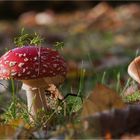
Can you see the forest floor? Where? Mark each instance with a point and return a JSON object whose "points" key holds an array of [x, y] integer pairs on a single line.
{"points": [[102, 101]]}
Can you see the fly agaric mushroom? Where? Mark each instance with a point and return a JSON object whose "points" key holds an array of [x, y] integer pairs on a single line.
{"points": [[134, 69], [38, 68]]}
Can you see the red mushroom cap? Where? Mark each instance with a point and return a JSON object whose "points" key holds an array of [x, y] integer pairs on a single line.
{"points": [[30, 62]]}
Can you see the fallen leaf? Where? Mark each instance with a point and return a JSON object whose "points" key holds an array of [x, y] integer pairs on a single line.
{"points": [[18, 123], [16, 129], [7, 131], [102, 98]]}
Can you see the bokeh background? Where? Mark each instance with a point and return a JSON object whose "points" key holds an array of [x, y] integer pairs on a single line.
{"points": [[100, 37], [13, 9]]}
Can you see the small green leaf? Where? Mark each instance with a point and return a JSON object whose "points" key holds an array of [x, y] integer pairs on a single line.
{"points": [[77, 103], [26, 39], [6, 49], [59, 45], [37, 40], [133, 97]]}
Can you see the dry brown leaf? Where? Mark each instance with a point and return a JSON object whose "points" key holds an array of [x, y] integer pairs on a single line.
{"points": [[102, 98], [15, 129], [19, 122], [7, 131]]}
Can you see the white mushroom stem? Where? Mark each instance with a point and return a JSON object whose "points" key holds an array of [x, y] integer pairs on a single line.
{"points": [[35, 100], [35, 91]]}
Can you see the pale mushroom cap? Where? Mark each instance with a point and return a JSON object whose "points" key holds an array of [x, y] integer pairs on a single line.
{"points": [[134, 69]]}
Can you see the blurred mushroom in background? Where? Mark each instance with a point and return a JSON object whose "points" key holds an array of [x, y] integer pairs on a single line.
{"points": [[33, 18]]}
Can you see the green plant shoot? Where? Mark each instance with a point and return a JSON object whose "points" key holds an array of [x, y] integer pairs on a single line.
{"points": [[26, 39]]}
